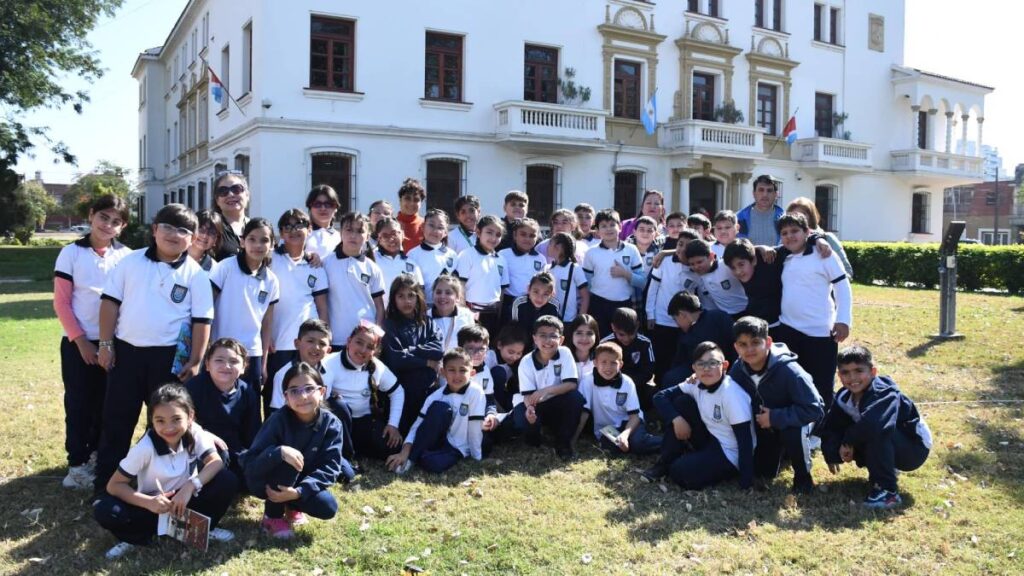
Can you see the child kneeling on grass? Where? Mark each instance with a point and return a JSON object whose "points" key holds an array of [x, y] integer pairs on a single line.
{"points": [[875, 425], [174, 466], [296, 456], [450, 427]]}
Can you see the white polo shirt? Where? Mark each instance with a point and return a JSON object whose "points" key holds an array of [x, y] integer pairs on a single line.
{"points": [[459, 239], [569, 308], [329, 376], [448, 326], [809, 283], [534, 376], [152, 463], [354, 282], [433, 261], [245, 296], [87, 271], [721, 409], [323, 241], [522, 266], [598, 264], [300, 284], [580, 250], [719, 249], [353, 382], [723, 287], [392, 266], [667, 280], [484, 274], [611, 403], [465, 433], [156, 298]]}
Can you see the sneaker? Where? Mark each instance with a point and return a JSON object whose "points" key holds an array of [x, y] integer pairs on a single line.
{"points": [[654, 473], [79, 478], [814, 443], [566, 454], [803, 487], [295, 517], [221, 535], [403, 467], [882, 499], [92, 463], [277, 528], [119, 549]]}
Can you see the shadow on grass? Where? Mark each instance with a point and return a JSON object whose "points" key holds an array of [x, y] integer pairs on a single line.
{"points": [[932, 341], [34, 309]]}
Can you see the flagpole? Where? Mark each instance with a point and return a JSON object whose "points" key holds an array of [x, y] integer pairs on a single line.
{"points": [[225, 88], [777, 139]]}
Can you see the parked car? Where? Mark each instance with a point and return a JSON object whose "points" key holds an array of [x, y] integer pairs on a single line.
{"points": [[80, 229]]}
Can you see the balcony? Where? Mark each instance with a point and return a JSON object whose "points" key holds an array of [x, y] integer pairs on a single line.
{"points": [[705, 138], [543, 126], [933, 163], [832, 155]]}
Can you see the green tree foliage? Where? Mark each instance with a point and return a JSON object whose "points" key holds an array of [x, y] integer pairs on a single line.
{"points": [[107, 178], [18, 216], [41, 202]]}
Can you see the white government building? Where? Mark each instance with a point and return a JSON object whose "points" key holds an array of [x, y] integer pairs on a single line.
{"points": [[470, 97]]}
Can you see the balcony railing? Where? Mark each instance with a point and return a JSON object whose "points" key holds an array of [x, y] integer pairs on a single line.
{"points": [[555, 124], [939, 163], [713, 138], [830, 152]]}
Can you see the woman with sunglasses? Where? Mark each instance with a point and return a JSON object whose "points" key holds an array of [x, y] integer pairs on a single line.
{"points": [[231, 193], [322, 203]]}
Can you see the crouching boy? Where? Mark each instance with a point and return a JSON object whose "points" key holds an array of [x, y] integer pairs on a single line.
{"points": [[875, 425]]}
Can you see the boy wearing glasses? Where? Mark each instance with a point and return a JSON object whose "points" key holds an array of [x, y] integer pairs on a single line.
{"points": [[154, 299]]}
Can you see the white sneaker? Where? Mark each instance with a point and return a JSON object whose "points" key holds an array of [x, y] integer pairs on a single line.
{"points": [[91, 464], [403, 467], [814, 443], [221, 535], [79, 478], [119, 549]]}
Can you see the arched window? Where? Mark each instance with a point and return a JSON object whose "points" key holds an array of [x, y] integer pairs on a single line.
{"points": [[445, 182], [826, 200], [629, 185], [335, 170], [543, 187]]}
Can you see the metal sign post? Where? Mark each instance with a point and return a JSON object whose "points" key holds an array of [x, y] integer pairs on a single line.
{"points": [[947, 280]]}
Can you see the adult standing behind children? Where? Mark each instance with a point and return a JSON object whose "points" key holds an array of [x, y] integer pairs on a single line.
{"points": [[652, 205], [231, 198], [757, 221], [410, 196]]}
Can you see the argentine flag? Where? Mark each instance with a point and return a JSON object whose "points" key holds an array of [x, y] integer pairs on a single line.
{"points": [[789, 132], [216, 87], [649, 115]]}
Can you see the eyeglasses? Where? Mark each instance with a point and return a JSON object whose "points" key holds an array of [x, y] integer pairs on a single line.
{"points": [[320, 205], [301, 391], [707, 364], [181, 231], [235, 189], [548, 335], [295, 226], [474, 350]]}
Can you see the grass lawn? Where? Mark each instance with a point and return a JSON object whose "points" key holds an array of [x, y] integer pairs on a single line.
{"points": [[523, 512]]}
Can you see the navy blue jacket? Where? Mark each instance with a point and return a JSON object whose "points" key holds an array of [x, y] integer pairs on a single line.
{"points": [[407, 348], [319, 442], [785, 389], [235, 417], [883, 409], [714, 326]]}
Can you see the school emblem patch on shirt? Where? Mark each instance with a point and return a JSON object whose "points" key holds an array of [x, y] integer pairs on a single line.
{"points": [[648, 260], [558, 370], [486, 381], [408, 267], [537, 265], [311, 280], [718, 413], [463, 409], [178, 293], [262, 296], [636, 357], [565, 284], [726, 284], [501, 269], [687, 283], [450, 262], [366, 393], [365, 278], [620, 398], [625, 260]]}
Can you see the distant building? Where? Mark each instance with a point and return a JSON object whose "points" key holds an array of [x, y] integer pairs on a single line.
{"points": [[977, 205], [57, 191], [991, 159]]}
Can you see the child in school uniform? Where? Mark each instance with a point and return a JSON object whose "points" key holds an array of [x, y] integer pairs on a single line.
{"points": [[610, 267], [296, 456], [432, 256], [389, 255], [153, 299], [872, 423], [447, 311], [638, 353], [207, 239], [245, 292], [79, 275], [378, 209], [722, 291], [522, 262], [610, 397], [671, 276], [511, 344], [450, 426], [322, 203], [516, 207], [356, 282], [173, 467], [711, 413], [463, 234], [412, 346], [585, 225], [563, 221], [537, 300], [484, 273], [410, 196], [724, 229], [304, 288], [476, 342], [225, 405], [547, 388], [784, 402], [696, 324], [572, 292], [675, 222], [702, 225]]}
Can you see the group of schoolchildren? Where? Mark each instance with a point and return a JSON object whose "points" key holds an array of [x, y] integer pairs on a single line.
{"points": [[277, 361]]}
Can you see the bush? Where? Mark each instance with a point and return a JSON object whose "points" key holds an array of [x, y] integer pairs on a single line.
{"points": [[899, 264]]}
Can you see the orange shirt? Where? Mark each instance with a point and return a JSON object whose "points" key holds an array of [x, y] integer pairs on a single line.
{"points": [[412, 230]]}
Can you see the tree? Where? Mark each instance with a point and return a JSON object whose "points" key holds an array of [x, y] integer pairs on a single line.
{"points": [[40, 201], [18, 216], [106, 178]]}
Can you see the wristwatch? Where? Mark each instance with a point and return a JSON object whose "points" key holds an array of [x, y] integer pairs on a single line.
{"points": [[197, 484], [109, 344]]}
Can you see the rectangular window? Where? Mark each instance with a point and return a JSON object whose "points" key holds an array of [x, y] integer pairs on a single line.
{"points": [[541, 182], [335, 170], [202, 196], [247, 59], [759, 13], [204, 113], [195, 43], [833, 26], [242, 164], [919, 214], [922, 130], [191, 197], [766, 107], [206, 29], [443, 70], [713, 8], [819, 17], [332, 54], [540, 74], [444, 184], [777, 15], [703, 96], [627, 89], [693, 6], [826, 200], [627, 192], [225, 75], [823, 115]]}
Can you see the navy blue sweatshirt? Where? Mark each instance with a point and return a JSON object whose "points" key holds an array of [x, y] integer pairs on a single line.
{"points": [[234, 416], [712, 326], [407, 348], [883, 408], [506, 385], [637, 358], [785, 389], [320, 444]]}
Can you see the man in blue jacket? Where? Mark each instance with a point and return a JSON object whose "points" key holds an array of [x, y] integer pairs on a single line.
{"points": [[783, 399], [757, 221]]}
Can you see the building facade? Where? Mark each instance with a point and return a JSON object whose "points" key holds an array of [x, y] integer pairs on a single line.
{"points": [[989, 215], [547, 97]]}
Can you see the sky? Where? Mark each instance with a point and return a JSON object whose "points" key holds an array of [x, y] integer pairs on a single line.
{"points": [[977, 41]]}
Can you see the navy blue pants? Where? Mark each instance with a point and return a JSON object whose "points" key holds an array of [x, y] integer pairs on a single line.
{"points": [[664, 340], [816, 355], [773, 444], [363, 437], [136, 374], [276, 361], [316, 504], [888, 452], [416, 392], [84, 389], [431, 449], [559, 413], [513, 426], [699, 461], [602, 309], [136, 525], [641, 442], [254, 378]]}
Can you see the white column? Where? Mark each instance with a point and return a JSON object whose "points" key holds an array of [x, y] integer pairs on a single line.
{"points": [[684, 195], [963, 138], [981, 122], [913, 126], [949, 132], [931, 140], [769, 13]]}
